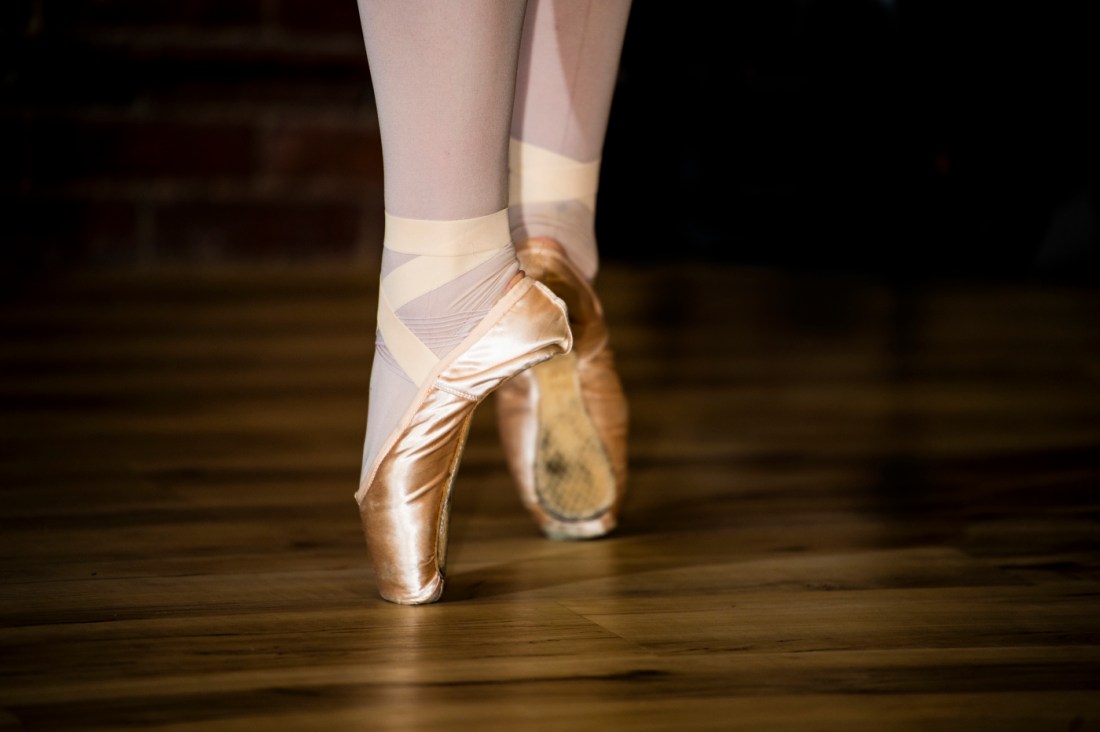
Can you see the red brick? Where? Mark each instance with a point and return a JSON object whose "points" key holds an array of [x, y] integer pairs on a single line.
{"points": [[72, 14], [68, 149], [256, 231], [52, 71], [53, 231], [337, 16], [313, 152]]}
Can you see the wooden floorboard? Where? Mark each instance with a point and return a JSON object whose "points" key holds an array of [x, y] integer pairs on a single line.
{"points": [[856, 504]]}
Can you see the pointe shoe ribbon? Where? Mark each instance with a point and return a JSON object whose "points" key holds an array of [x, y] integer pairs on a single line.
{"points": [[404, 499]]}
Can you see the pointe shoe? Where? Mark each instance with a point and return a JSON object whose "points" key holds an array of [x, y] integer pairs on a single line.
{"points": [[563, 424], [404, 501]]}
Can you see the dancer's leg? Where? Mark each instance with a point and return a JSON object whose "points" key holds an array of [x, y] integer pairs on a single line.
{"points": [[455, 318], [444, 79], [568, 68], [564, 423]]}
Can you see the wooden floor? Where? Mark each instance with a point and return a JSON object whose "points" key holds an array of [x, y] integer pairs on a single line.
{"points": [[855, 505]]}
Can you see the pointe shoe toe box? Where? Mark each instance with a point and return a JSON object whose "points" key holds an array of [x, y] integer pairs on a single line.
{"points": [[404, 500]]}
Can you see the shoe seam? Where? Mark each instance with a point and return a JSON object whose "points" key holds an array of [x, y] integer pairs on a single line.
{"points": [[456, 392]]}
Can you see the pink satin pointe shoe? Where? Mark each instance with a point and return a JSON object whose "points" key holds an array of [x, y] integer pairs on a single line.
{"points": [[563, 424], [404, 501]]}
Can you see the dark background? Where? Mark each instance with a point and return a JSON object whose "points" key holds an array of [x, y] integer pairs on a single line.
{"points": [[936, 136], [920, 137]]}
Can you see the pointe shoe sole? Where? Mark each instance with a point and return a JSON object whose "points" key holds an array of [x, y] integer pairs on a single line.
{"points": [[404, 501], [563, 424], [574, 479]]}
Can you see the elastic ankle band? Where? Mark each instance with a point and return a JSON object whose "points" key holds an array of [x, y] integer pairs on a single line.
{"points": [[537, 175], [443, 251], [447, 238]]}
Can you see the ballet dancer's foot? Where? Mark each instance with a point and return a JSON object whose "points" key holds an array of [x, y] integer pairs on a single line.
{"points": [[563, 424], [456, 320]]}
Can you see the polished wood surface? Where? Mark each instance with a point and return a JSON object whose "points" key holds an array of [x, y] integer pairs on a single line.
{"points": [[856, 504]]}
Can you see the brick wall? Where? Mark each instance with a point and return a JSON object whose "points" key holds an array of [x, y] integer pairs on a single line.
{"points": [[855, 134], [201, 131]]}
